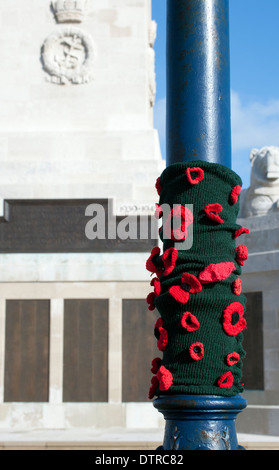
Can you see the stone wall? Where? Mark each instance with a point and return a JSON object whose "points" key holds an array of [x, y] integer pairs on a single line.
{"points": [[261, 274], [76, 102]]}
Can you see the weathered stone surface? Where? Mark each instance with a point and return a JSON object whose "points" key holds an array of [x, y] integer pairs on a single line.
{"points": [[76, 118]]}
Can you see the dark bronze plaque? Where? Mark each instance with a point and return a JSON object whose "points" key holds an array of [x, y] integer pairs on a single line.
{"points": [[139, 348], [85, 377], [27, 351], [253, 363], [61, 226]]}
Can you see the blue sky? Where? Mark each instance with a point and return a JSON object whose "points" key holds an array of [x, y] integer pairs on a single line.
{"points": [[254, 43]]}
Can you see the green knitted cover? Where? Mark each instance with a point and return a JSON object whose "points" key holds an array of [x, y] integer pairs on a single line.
{"points": [[197, 291]]}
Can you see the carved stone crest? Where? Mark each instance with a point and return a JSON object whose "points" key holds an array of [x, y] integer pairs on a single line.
{"points": [[69, 11], [68, 56]]}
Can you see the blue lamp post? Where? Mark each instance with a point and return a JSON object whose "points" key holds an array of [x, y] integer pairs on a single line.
{"points": [[198, 81], [198, 128]]}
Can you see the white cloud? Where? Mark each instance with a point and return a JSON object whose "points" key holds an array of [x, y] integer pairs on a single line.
{"points": [[254, 124]]}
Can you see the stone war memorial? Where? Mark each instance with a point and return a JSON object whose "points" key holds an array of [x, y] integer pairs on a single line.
{"points": [[79, 157], [88, 338]]}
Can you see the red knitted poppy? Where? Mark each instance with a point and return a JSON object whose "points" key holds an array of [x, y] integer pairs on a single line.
{"points": [[235, 194], [169, 259], [232, 358], [151, 262], [150, 266], [216, 272], [189, 285], [150, 301], [158, 186], [241, 254], [178, 220], [165, 378], [163, 340], [237, 286], [212, 211], [161, 334], [153, 388], [226, 380], [240, 231], [192, 281], [157, 286], [156, 363], [152, 295], [190, 322], [159, 323], [194, 175], [233, 321], [196, 351], [179, 294]]}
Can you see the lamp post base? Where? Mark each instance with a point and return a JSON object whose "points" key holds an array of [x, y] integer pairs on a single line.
{"points": [[200, 422]]}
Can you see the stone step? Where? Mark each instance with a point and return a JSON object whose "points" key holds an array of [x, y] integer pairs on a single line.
{"points": [[109, 440], [110, 446]]}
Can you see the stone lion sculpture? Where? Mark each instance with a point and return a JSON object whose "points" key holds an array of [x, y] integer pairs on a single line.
{"points": [[263, 194]]}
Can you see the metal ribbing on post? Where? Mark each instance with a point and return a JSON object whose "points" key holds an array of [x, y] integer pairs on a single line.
{"points": [[198, 81]]}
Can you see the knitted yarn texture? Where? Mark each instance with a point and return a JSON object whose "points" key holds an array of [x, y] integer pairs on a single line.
{"points": [[197, 291]]}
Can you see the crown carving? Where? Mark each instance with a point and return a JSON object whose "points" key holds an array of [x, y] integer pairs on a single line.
{"points": [[69, 11]]}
